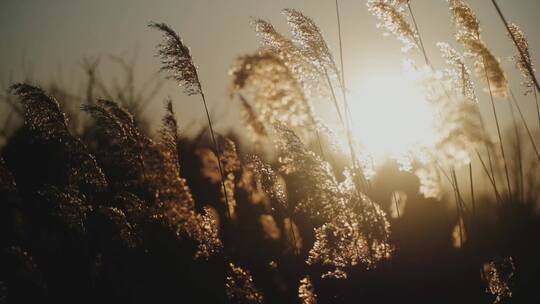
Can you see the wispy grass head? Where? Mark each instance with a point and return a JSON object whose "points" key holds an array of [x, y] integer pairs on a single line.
{"points": [[459, 72], [176, 59], [276, 92], [306, 292], [523, 58], [308, 36], [42, 114], [392, 18], [464, 17], [240, 287], [487, 65]]}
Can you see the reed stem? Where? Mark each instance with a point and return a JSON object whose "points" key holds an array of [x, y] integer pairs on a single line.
{"points": [[521, 52], [529, 133], [499, 135], [216, 146]]}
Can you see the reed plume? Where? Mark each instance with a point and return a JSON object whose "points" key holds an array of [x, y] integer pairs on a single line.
{"points": [[125, 154], [69, 208], [354, 228], [178, 64], [230, 163], [293, 56], [498, 275], [486, 64], [274, 89], [464, 17], [459, 72], [114, 228], [307, 35], [306, 292], [252, 121], [267, 178], [42, 115], [392, 18], [176, 203], [468, 34], [176, 60], [240, 287], [523, 62]]}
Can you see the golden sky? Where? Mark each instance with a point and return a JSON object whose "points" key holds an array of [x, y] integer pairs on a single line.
{"points": [[49, 39]]}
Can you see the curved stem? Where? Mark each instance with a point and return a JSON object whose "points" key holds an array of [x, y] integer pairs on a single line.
{"points": [[529, 133], [418, 33], [216, 146], [521, 52], [499, 134]]}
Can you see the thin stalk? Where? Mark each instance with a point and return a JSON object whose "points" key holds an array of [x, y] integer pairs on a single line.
{"points": [[458, 191], [521, 52], [355, 164], [340, 45], [537, 106], [291, 222], [529, 133], [499, 134], [473, 201], [419, 36], [334, 97], [458, 209], [396, 203], [216, 146], [519, 154], [491, 179], [450, 180]]}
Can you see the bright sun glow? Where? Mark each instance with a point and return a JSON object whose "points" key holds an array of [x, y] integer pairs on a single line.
{"points": [[390, 115]]}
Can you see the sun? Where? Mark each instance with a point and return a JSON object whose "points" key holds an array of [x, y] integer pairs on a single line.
{"points": [[391, 116]]}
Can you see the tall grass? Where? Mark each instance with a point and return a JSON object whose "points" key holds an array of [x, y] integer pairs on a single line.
{"points": [[133, 217]]}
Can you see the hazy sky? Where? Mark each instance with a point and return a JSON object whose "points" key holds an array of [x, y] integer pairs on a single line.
{"points": [[50, 39]]}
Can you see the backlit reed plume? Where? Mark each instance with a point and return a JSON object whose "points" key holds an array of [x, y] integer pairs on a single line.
{"points": [[231, 165], [295, 58], [240, 287], [274, 90], [393, 19], [523, 55], [457, 124], [459, 131], [306, 292], [251, 119], [464, 17], [124, 155], [42, 115], [174, 196], [354, 228], [177, 62], [459, 72], [468, 34], [135, 209], [523, 62], [118, 231], [308, 36], [306, 169], [497, 274], [267, 178], [487, 65], [430, 182], [357, 235], [68, 208]]}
